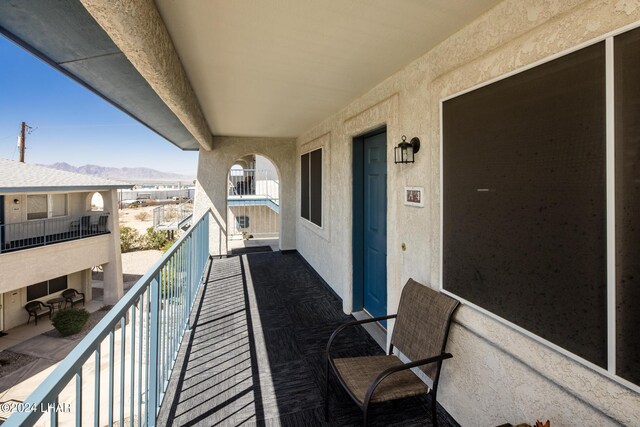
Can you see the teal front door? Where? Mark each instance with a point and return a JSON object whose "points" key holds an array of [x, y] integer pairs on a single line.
{"points": [[375, 224]]}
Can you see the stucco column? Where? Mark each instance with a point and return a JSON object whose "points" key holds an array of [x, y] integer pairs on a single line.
{"points": [[85, 285], [113, 287]]}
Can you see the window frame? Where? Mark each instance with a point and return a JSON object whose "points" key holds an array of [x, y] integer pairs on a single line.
{"points": [[610, 252], [48, 283], [310, 186], [49, 197]]}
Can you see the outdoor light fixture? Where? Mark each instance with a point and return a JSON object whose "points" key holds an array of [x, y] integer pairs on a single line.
{"points": [[16, 201], [405, 151]]}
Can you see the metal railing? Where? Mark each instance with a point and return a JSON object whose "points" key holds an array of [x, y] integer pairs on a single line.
{"points": [[40, 232], [253, 204], [120, 371], [253, 182], [256, 216], [172, 217]]}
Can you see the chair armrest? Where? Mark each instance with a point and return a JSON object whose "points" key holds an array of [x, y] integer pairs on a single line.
{"points": [[355, 323], [384, 374]]}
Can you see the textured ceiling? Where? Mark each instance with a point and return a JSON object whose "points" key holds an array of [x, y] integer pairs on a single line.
{"points": [[276, 68]]}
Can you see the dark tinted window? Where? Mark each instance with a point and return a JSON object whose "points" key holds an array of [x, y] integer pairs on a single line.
{"points": [[627, 113], [36, 291], [316, 187], [311, 186], [525, 203], [58, 284], [304, 186]]}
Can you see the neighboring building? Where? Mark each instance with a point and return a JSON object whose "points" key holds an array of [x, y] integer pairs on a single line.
{"points": [[156, 193], [254, 199], [50, 238], [528, 113]]}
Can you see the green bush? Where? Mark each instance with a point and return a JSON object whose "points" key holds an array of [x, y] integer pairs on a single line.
{"points": [[167, 245], [154, 239], [129, 239], [70, 321]]}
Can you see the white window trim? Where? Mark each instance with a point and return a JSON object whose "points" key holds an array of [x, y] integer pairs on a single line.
{"points": [[49, 206], [306, 221]]}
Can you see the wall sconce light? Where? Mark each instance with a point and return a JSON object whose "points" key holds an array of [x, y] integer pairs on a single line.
{"points": [[16, 201], [405, 151]]}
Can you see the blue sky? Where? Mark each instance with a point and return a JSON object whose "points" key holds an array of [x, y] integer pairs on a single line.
{"points": [[72, 124]]}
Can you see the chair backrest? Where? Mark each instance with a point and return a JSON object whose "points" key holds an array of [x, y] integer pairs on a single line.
{"points": [[68, 293], [30, 306], [422, 326]]}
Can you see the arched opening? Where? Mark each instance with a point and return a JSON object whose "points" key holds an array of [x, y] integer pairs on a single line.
{"points": [[253, 203], [96, 202]]}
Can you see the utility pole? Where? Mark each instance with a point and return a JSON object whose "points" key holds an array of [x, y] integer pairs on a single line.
{"points": [[22, 142]]}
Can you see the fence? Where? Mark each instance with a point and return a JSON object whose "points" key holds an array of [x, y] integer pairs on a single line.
{"points": [[41, 232], [253, 204], [171, 217], [119, 372]]}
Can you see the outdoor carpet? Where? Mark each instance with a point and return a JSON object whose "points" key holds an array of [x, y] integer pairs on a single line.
{"points": [[251, 250], [256, 353]]}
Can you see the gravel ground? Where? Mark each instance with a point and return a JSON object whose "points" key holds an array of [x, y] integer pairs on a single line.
{"points": [[138, 262], [128, 218], [93, 320], [10, 361]]}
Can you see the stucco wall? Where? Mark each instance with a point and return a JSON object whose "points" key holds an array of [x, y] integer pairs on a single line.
{"points": [[17, 212], [23, 268], [14, 301], [497, 375], [263, 221], [211, 188]]}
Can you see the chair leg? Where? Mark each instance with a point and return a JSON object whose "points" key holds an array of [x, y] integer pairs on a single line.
{"points": [[326, 393], [365, 413], [434, 416]]}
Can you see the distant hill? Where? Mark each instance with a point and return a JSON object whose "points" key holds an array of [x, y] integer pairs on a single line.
{"points": [[122, 174]]}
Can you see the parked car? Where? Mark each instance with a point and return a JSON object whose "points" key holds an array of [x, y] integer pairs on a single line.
{"points": [[133, 203]]}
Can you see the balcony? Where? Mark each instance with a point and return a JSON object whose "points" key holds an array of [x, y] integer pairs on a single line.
{"points": [[213, 342], [172, 217], [42, 232]]}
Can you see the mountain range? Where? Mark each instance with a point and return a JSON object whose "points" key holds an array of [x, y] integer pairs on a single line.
{"points": [[137, 174]]}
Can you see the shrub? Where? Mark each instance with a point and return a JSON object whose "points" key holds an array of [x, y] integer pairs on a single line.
{"points": [[167, 245], [143, 216], [154, 239], [129, 239], [70, 321]]}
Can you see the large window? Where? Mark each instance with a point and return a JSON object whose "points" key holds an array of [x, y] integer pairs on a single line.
{"points": [[311, 186], [37, 207], [42, 206], [526, 214], [42, 289]]}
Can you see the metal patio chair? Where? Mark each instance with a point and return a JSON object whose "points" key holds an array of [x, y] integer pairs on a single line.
{"points": [[73, 297], [38, 309], [420, 334]]}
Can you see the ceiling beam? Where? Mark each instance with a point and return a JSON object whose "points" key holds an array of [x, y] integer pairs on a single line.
{"points": [[139, 32]]}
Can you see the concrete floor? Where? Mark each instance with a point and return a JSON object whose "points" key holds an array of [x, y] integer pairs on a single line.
{"points": [[237, 244], [21, 333]]}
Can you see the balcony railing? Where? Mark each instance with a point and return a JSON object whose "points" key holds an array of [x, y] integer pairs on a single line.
{"points": [[120, 371], [42, 232], [172, 217]]}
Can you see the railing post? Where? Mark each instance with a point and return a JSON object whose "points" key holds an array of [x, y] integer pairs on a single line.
{"points": [[152, 405], [189, 260]]}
